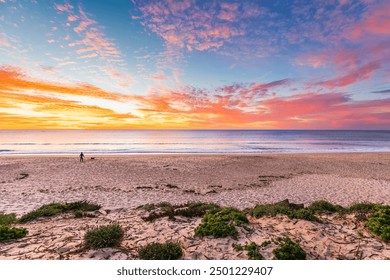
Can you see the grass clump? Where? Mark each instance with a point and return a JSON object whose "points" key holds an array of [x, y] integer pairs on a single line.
{"points": [[7, 219], [148, 207], [161, 251], [292, 210], [191, 209], [253, 250], [265, 243], [322, 206], [53, 209], [104, 236], [7, 233], [379, 222], [222, 223], [364, 207], [197, 209], [78, 214], [288, 250]]}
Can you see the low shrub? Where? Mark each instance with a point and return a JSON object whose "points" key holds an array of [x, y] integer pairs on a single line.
{"points": [[322, 206], [82, 206], [265, 243], [197, 209], [288, 250], [293, 211], [104, 236], [304, 214], [379, 222], [364, 207], [148, 207], [253, 250], [222, 223], [7, 219], [7, 233], [78, 214], [161, 251], [191, 209], [53, 209]]}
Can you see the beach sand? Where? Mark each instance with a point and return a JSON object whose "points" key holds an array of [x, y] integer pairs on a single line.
{"points": [[122, 183]]}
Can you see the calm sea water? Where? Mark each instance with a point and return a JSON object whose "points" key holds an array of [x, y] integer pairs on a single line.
{"points": [[190, 141]]}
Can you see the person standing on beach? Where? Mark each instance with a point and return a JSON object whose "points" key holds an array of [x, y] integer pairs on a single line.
{"points": [[81, 157]]}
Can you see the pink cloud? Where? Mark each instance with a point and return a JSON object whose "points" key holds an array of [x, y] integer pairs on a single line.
{"points": [[305, 111], [376, 22], [192, 26], [72, 18], [66, 7], [123, 79], [91, 55], [363, 73], [85, 21], [253, 90], [158, 77], [4, 42]]}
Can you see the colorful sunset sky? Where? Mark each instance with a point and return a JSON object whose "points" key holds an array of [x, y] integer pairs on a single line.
{"points": [[165, 64]]}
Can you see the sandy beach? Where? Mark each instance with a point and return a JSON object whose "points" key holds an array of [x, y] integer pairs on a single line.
{"points": [[122, 183]]}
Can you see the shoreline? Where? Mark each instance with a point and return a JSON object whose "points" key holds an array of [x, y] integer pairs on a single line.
{"points": [[193, 154]]}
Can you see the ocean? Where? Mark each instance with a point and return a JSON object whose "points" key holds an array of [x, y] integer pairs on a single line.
{"points": [[46, 142]]}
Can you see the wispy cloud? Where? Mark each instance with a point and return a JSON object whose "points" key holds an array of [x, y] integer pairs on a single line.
{"points": [[363, 73], [385, 91], [94, 44]]}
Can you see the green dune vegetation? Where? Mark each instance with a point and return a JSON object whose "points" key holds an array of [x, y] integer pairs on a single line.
{"points": [[104, 236], [9, 233], [216, 222], [161, 251], [53, 209]]}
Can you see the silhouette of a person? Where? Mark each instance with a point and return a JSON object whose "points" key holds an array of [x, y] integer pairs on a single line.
{"points": [[81, 157]]}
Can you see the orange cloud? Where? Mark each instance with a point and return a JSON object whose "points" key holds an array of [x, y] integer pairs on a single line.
{"points": [[13, 79], [27, 103]]}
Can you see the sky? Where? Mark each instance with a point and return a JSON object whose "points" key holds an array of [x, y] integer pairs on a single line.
{"points": [[254, 64]]}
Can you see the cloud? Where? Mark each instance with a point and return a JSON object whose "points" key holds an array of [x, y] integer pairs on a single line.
{"points": [[94, 44], [363, 73], [14, 79], [66, 7], [193, 25], [382, 91], [85, 21], [29, 103], [4, 42], [358, 48], [225, 107], [375, 22]]}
